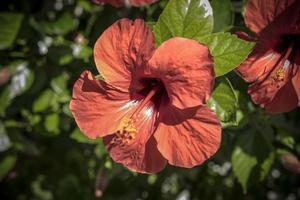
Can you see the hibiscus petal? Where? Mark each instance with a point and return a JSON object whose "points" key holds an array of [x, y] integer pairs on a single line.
{"points": [[296, 78], [186, 69], [278, 27], [139, 3], [97, 107], [187, 138], [285, 100], [121, 50], [264, 90], [260, 13], [140, 154], [260, 63]]}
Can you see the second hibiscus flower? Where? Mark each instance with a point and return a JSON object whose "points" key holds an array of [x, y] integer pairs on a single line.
{"points": [[274, 66], [151, 108]]}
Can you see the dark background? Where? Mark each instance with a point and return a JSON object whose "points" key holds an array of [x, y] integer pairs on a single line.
{"points": [[43, 155]]}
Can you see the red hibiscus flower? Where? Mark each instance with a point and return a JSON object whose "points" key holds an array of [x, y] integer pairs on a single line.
{"points": [[150, 110], [120, 3], [273, 68]]}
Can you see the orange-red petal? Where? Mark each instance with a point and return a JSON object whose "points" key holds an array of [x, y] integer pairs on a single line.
{"points": [[121, 50], [260, 13], [296, 78], [186, 69], [96, 106], [260, 63], [268, 85], [139, 3], [285, 100], [140, 154], [187, 138]]}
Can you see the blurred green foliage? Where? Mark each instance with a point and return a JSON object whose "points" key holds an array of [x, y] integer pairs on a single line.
{"points": [[45, 45]]}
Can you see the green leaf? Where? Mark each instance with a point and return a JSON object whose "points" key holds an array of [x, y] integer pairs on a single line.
{"points": [[39, 191], [285, 138], [10, 26], [59, 83], [81, 138], [243, 164], [43, 101], [252, 158], [33, 119], [184, 18], [100, 149], [61, 26], [51, 123], [227, 50], [223, 14], [266, 165], [59, 86], [6, 165], [224, 102]]}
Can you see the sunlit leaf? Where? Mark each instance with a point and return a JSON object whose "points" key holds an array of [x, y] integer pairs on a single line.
{"points": [[227, 50], [184, 18], [223, 14]]}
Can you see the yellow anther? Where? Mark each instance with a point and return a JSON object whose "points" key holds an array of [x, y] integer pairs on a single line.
{"points": [[279, 75], [126, 132]]}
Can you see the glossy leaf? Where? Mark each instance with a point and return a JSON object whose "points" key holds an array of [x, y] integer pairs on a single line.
{"points": [[184, 18], [224, 102], [227, 50], [223, 14]]}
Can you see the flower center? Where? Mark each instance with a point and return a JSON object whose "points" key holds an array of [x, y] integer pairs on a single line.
{"points": [[279, 74], [128, 127]]}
